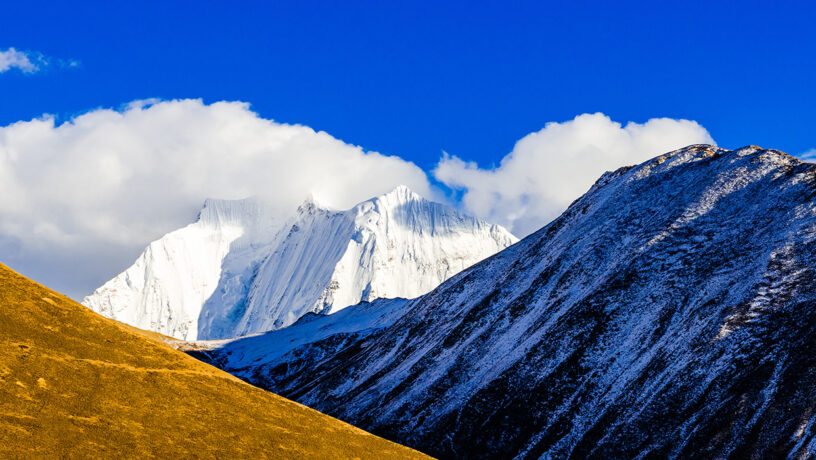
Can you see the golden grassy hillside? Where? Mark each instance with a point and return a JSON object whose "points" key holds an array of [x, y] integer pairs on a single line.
{"points": [[75, 384]]}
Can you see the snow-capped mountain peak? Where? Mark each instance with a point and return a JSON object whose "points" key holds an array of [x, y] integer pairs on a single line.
{"points": [[240, 269], [310, 206], [401, 193], [176, 274], [395, 245]]}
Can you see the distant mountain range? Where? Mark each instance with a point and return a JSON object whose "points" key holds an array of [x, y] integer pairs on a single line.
{"points": [[668, 312], [238, 271]]}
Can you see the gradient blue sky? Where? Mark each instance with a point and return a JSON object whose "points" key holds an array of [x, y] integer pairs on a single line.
{"points": [[414, 79]]}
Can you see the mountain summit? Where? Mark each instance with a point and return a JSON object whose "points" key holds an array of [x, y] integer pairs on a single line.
{"points": [[668, 312], [236, 271]]}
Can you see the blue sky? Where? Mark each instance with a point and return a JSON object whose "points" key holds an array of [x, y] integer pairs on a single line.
{"points": [[529, 101], [414, 79]]}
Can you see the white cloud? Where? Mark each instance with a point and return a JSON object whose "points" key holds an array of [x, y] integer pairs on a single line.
{"points": [[30, 62], [809, 156], [550, 168], [79, 200], [11, 59]]}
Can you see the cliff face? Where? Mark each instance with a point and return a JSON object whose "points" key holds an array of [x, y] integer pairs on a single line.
{"points": [[669, 311]]}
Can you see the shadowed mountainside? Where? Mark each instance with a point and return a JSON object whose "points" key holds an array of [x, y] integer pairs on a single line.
{"points": [[669, 312]]}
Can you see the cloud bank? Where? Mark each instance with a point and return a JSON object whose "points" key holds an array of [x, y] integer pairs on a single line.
{"points": [[550, 168], [81, 199], [30, 62]]}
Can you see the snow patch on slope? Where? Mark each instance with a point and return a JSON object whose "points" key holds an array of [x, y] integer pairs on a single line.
{"points": [[272, 348]]}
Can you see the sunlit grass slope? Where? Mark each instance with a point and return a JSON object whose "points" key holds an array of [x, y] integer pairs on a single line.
{"points": [[75, 384]]}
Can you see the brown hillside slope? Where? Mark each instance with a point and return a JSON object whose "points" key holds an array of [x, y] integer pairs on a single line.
{"points": [[75, 384]]}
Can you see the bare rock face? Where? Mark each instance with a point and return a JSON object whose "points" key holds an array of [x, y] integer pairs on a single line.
{"points": [[238, 271], [670, 311]]}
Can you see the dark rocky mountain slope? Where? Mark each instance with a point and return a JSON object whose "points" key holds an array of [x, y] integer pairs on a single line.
{"points": [[670, 311]]}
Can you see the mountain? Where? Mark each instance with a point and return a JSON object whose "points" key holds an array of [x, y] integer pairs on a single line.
{"points": [[668, 312], [265, 359], [238, 271], [165, 288], [77, 385]]}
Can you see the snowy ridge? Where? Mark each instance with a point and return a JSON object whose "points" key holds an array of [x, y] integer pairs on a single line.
{"points": [[669, 312], [235, 271], [282, 353]]}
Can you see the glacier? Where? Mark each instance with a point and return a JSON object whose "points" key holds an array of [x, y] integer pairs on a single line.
{"points": [[240, 270]]}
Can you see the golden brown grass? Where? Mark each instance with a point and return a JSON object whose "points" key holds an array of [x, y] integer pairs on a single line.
{"points": [[75, 384]]}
